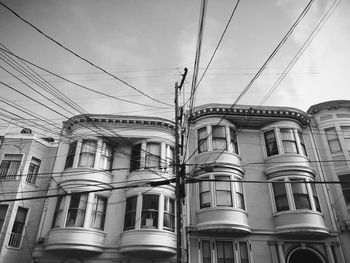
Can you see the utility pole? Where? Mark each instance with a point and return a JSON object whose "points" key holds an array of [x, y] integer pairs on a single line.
{"points": [[178, 173]]}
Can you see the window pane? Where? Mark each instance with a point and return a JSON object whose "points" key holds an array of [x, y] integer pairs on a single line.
{"points": [[106, 158], [345, 187], [243, 252], [288, 140], [3, 211], [98, 213], [169, 213], [58, 211], [333, 141], [280, 194], [18, 227], [270, 143], [224, 251], [204, 193], [87, 154], [202, 140], [130, 213], [76, 211], [233, 135], [302, 143], [223, 191], [219, 137], [300, 194], [33, 170], [153, 155], [70, 155], [135, 157], [149, 216], [314, 193], [206, 251]]}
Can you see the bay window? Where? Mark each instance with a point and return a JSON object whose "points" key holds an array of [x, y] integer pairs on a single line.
{"points": [[224, 251], [87, 153], [150, 211], [294, 194], [221, 138], [284, 141], [218, 190]]}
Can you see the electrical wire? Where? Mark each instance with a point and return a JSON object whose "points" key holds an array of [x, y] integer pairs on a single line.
{"points": [[80, 57]]}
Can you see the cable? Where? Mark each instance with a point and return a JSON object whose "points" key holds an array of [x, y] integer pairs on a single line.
{"points": [[284, 39], [76, 84], [80, 57]]}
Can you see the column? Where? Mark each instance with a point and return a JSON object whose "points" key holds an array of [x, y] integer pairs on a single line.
{"points": [[280, 252], [329, 253]]}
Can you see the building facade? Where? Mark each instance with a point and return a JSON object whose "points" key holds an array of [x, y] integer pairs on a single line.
{"points": [[263, 184], [25, 171]]}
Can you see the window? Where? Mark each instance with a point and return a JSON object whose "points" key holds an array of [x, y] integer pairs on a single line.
{"points": [[135, 162], [284, 141], [223, 190], [233, 140], [300, 194], [346, 135], [57, 217], [149, 214], [219, 138], [333, 141], [9, 167], [153, 155], [345, 186], [169, 213], [295, 193], [98, 213], [271, 143], [202, 140], [204, 193], [87, 153], [130, 213], [33, 170], [170, 159], [70, 155], [76, 210], [239, 195], [106, 159], [288, 140], [225, 251], [3, 211], [18, 227], [217, 190], [150, 211], [280, 194]]}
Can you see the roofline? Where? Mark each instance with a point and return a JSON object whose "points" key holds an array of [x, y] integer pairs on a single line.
{"points": [[328, 105]]}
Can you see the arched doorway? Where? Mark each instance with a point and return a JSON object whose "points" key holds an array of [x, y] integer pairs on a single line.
{"points": [[305, 256]]}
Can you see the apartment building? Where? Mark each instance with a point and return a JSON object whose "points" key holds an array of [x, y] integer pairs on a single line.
{"points": [[263, 184], [25, 172], [90, 222], [253, 196]]}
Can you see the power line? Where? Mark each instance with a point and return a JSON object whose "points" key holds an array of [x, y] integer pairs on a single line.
{"points": [[80, 57], [76, 84]]}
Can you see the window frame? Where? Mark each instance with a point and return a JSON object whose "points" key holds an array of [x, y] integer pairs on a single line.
{"points": [[11, 160], [211, 191], [80, 212], [35, 164], [71, 155], [106, 156], [87, 156], [18, 228], [345, 188], [3, 219], [97, 213], [290, 194]]}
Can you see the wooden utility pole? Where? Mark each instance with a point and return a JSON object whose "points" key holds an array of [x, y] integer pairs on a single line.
{"points": [[178, 173]]}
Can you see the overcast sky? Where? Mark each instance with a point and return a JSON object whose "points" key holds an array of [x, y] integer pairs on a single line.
{"points": [[149, 43]]}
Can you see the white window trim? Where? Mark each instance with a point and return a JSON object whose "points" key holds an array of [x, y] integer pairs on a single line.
{"points": [[213, 192], [289, 193]]}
